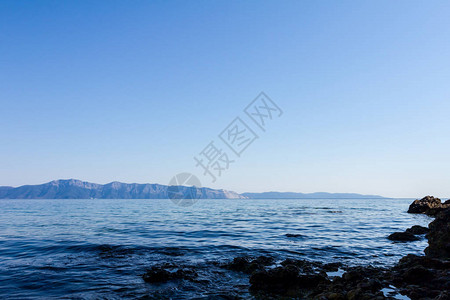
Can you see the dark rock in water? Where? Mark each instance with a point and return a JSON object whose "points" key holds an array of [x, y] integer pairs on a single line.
{"points": [[303, 265], [409, 234], [403, 237], [412, 260], [279, 280], [353, 275], [264, 260], [310, 281], [160, 274], [439, 236], [417, 274], [292, 235], [248, 265], [421, 277], [356, 274], [173, 251], [359, 293], [111, 251], [332, 296], [238, 264], [416, 230], [225, 296], [157, 275], [356, 283], [332, 267], [428, 205], [285, 280]]}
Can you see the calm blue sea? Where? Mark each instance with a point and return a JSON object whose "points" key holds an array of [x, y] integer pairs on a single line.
{"points": [[90, 249]]}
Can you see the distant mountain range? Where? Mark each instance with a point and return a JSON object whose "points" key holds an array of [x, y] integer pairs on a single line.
{"points": [[77, 189]]}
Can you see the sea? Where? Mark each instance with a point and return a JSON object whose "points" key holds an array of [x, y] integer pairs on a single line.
{"points": [[100, 248]]}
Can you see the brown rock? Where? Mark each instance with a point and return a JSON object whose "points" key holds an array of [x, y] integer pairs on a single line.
{"points": [[335, 296], [428, 205]]}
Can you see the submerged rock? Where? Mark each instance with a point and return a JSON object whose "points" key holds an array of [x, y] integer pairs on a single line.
{"points": [[403, 237], [294, 235], [428, 205], [248, 264], [160, 274]]}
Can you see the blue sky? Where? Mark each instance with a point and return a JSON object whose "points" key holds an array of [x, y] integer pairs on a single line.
{"points": [[133, 90]]}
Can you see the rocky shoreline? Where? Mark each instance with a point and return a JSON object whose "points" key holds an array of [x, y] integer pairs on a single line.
{"points": [[416, 277]]}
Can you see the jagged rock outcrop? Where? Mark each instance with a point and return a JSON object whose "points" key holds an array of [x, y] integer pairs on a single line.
{"points": [[428, 205]]}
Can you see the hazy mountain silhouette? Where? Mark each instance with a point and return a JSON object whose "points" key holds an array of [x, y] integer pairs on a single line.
{"points": [[77, 189]]}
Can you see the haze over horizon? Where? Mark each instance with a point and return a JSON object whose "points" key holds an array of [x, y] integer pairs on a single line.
{"points": [[132, 91]]}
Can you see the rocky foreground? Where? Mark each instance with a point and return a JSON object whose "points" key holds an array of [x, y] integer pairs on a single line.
{"points": [[417, 277]]}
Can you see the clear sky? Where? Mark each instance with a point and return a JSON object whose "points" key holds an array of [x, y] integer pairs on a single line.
{"points": [[133, 90]]}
